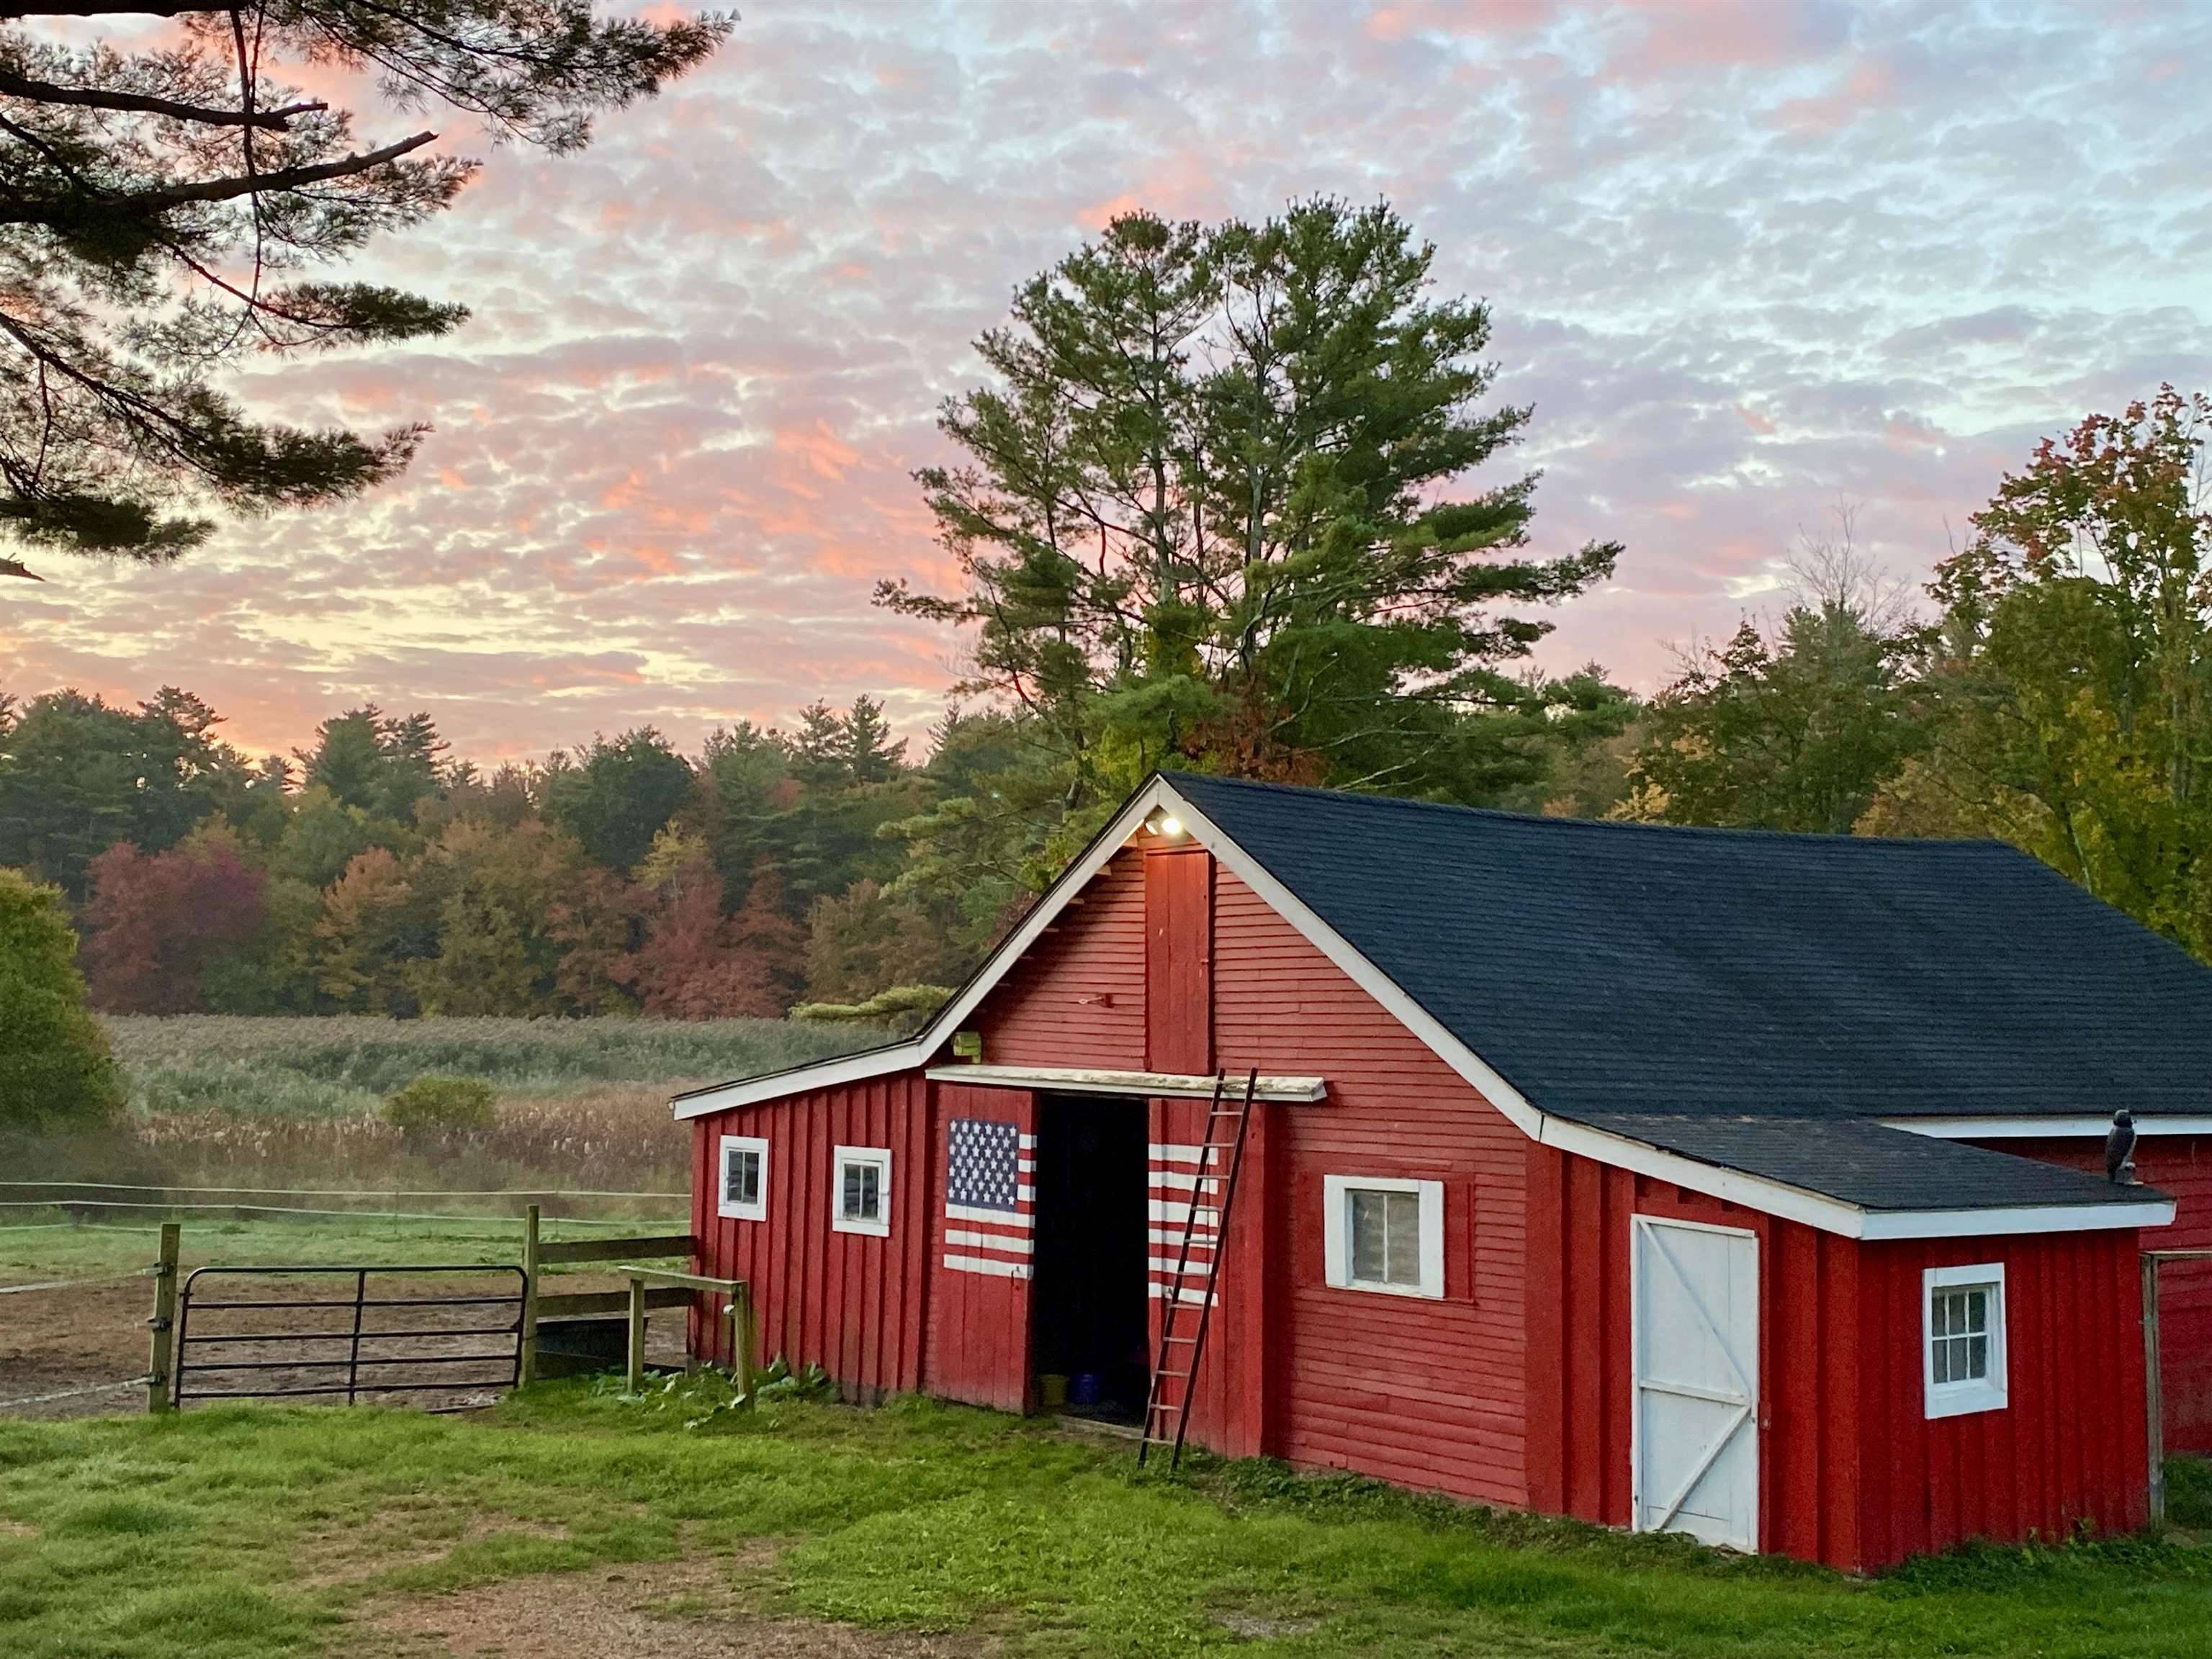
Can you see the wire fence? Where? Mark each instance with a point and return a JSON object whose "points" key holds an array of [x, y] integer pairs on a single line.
{"points": [[377, 1204], [74, 1393], [339, 1192]]}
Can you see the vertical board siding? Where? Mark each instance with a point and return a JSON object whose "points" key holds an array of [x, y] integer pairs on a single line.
{"points": [[1179, 961], [2066, 1451], [1853, 1473], [2181, 1166], [1424, 1392], [979, 1323], [846, 1301], [1076, 997]]}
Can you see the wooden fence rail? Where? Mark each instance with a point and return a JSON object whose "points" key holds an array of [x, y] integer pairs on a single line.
{"points": [[649, 1288]]}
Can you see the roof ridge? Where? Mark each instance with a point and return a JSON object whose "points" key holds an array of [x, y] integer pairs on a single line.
{"points": [[1545, 820]]}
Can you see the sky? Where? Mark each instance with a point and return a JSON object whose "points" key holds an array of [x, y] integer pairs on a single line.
{"points": [[1748, 261]]}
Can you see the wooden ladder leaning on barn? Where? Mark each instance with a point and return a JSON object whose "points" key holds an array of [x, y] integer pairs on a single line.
{"points": [[1187, 1313]]}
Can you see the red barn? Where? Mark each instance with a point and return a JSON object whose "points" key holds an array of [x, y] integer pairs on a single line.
{"points": [[1669, 1178]]}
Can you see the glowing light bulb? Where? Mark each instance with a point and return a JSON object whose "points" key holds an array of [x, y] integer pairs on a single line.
{"points": [[1171, 826]]}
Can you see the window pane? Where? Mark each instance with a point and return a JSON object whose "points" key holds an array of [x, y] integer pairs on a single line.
{"points": [[1959, 1334], [1385, 1231], [863, 1196], [1405, 1231], [1370, 1255], [741, 1176]]}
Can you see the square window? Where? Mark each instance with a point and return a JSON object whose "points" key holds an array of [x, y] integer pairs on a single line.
{"points": [[1964, 1337], [1384, 1233], [861, 1198], [1386, 1238], [743, 1195]]}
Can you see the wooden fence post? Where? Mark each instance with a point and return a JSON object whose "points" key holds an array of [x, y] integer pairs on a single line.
{"points": [[526, 1370], [636, 1334], [2154, 1389], [741, 1345], [162, 1346]]}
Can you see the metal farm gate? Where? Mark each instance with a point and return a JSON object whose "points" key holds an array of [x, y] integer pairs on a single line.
{"points": [[287, 1344]]}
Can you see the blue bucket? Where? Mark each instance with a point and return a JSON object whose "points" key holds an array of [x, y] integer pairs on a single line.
{"points": [[1083, 1388]]}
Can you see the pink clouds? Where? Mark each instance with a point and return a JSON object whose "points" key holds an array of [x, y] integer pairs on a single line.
{"points": [[1742, 260]]}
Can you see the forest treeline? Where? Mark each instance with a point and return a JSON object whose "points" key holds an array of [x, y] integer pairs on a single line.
{"points": [[1213, 511]]}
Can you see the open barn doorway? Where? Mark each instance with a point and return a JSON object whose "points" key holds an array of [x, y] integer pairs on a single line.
{"points": [[1088, 1313]]}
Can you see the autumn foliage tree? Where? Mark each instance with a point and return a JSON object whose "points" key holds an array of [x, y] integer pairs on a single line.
{"points": [[156, 921], [2073, 697]]}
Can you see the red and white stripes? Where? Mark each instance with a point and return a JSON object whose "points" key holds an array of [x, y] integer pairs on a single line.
{"points": [[1179, 1179]]}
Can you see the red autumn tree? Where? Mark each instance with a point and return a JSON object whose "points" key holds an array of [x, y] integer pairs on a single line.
{"points": [[697, 963], [154, 922]]}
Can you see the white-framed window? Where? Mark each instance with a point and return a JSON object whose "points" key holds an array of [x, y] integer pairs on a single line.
{"points": [[1962, 1338], [743, 1194], [1384, 1234], [860, 1195]]}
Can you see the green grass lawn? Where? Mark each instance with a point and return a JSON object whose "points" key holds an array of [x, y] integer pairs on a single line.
{"points": [[257, 1531]]}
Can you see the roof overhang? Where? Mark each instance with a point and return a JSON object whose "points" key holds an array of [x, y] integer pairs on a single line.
{"points": [[2034, 1128], [1753, 1192], [1148, 1085], [1833, 1215]]}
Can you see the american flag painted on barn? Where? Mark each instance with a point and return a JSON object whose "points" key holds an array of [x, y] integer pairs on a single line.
{"points": [[990, 1198], [1177, 1183]]}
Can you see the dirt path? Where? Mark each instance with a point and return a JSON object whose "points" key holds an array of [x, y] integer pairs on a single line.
{"points": [[672, 1610]]}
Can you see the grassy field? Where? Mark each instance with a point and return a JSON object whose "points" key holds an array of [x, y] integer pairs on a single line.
{"points": [[218, 1101], [572, 1522], [338, 1067]]}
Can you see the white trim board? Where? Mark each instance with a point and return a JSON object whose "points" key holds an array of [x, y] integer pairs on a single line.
{"points": [[2039, 1128], [1147, 1085], [1753, 1192]]}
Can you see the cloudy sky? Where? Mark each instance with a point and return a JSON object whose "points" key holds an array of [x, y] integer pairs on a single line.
{"points": [[1746, 261]]}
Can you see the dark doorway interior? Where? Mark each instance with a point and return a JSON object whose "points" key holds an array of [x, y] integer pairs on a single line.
{"points": [[1088, 1313]]}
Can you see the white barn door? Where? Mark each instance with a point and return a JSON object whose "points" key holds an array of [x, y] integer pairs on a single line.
{"points": [[1694, 1329]]}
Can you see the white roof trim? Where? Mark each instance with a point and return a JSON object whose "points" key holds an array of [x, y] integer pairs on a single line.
{"points": [[1753, 1192], [2028, 1128], [1151, 1085], [1834, 1216]]}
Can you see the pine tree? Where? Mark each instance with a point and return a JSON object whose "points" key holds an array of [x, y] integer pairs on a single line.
{"points": [[1214, 508], [163, 209]]}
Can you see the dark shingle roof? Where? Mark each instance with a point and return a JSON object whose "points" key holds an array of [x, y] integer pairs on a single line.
{"points": [[1866, 1164], [1608, 968]]}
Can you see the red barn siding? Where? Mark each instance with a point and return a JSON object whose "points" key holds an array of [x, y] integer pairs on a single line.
{"points": [[2070, 1445], [846, 1301], [1076, 997], [1852, 1472], [979, 1323], [1179, 961], [1428, 1393], [2181, 1166]]}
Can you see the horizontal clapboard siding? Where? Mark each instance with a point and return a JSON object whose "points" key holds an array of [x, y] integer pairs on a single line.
{"points": [[1428, 1393]]}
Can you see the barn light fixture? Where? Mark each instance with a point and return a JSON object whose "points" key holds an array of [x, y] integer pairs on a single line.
{"points": [[1171, 825]]}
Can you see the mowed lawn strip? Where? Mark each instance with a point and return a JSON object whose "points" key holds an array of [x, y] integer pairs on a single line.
{"points": [[252, 1531]]}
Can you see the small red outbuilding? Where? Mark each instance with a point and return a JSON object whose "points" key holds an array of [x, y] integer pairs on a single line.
{"points": [[1668, 1178]]}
